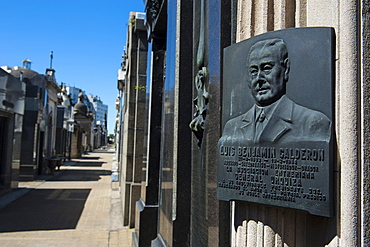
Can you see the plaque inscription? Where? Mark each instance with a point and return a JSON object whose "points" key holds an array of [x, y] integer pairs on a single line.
{"points": [[276, 150], [285, 175]]}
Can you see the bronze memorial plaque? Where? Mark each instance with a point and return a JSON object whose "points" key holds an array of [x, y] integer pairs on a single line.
{"points": [[276, 146]]}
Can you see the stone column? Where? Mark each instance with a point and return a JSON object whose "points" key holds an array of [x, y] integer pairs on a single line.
{"points": [[348, 121], [134, 120], [148, 205], [129, 124], [366, 123], [139, 121]]}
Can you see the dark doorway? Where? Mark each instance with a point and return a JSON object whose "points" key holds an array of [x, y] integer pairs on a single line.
{"points": [[2, 149], [40, 159]]}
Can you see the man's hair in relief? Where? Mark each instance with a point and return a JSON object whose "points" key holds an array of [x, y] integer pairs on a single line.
{"points": [[278, 43]]}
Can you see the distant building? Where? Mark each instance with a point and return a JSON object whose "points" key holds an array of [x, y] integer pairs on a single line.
{"points": [[73, 93], [65, 125], [101, 110], [38, 135], [27, 63], [82, 134], [100, 121], [12, 99], [97, 110]]}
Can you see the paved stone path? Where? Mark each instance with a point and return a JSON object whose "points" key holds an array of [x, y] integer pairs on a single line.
{"points": [[77, 206]]}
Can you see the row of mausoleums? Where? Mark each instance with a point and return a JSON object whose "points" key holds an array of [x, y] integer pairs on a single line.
{"points": [[173, 76], [40, 127]]}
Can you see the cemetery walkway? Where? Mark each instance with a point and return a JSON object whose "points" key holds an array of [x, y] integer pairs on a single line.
{"points": [[77, 206]]}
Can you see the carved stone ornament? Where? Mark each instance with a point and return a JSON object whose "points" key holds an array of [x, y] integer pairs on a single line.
{"points": [[154, 8], [200, 102], [197, 125]]}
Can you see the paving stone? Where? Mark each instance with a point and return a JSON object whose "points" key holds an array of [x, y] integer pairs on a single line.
{"points": [[77, 206]]}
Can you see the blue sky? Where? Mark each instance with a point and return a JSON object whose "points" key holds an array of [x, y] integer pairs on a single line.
{"points": [[87, 38]]}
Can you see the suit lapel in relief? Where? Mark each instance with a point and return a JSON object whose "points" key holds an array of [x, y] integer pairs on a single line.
{"points": [[247, 126], [280, 122]]}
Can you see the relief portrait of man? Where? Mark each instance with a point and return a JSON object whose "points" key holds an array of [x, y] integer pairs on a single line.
{"points": [[274, 118]]}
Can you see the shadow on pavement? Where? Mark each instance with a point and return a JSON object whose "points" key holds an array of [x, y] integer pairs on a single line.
{"points": [[44, 209], [90, 163], [90, 158], [80, 175], [103, 151]]}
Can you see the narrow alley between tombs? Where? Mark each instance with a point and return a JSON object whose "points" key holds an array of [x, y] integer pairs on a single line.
{"points": [[78, 205]]}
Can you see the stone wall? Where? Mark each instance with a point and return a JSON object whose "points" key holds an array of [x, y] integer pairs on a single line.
{"points": [[133, 148], [258, 225], [179, 198]]}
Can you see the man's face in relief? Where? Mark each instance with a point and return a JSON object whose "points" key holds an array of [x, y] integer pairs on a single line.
{"points": [[267, 74]]}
